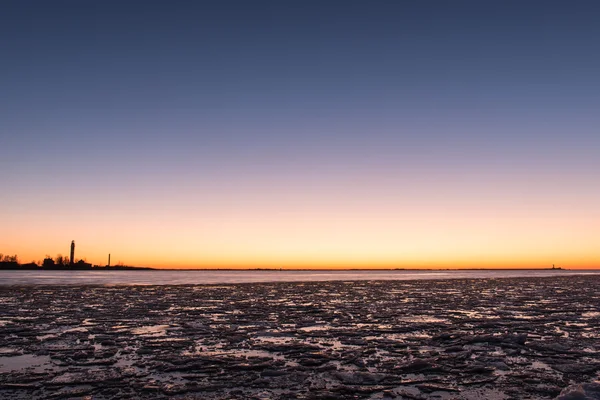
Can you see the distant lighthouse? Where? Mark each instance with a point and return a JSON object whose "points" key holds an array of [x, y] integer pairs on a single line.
{"points": [[72, 252]]}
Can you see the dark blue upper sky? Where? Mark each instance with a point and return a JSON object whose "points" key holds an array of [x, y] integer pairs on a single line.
{"points": [[135, 56], [109, 95], [129, 57], [93, 76]]}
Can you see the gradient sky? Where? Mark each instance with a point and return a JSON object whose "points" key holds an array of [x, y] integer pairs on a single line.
{"points": [[302, 133]]}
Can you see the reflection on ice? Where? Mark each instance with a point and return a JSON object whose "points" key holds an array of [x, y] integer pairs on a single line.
{"points": [[150, 330], [315, 328]]}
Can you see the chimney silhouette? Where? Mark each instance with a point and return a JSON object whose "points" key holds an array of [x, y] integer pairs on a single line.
{"points": [[72, 252]]}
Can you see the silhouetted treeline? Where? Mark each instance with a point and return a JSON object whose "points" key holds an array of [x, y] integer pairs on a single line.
{"points": [[10, 262], [58, 263]]}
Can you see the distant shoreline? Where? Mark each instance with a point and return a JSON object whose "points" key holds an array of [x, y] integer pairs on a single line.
{"points": [[129, 268], [75, 268], [362, 269], [12, 263]]}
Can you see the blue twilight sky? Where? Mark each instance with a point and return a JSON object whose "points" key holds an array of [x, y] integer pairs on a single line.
{"points": [[194, 110]]}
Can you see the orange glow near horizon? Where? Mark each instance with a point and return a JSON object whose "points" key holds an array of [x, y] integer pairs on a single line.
{"points": [[360, 233]]}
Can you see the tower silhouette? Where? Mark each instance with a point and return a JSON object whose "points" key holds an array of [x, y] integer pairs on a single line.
{"points": [[72, 261]]}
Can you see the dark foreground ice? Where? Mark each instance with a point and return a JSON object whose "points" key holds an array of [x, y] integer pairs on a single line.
{"points": [[516, 338]]}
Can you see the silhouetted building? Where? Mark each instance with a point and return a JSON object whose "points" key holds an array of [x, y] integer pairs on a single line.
{"points": [[72, 260], [48, 263], [82, 265], [30, 265], [9, 265]]}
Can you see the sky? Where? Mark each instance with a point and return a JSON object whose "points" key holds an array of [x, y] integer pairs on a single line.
{"points": [[301, 134]]}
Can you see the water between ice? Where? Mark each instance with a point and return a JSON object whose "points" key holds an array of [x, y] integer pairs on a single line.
{"points": [[167, 277], [24, 362]]}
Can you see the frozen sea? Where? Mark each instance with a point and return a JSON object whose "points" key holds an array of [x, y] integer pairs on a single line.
{"points": [[199, 277]]}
